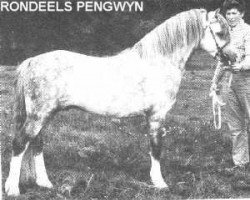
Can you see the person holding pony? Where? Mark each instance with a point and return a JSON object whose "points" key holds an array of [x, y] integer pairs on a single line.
{"points": [[238, 90]]}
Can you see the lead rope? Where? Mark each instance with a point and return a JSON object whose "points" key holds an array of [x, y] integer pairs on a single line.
{"points": [[216, 100], [217, 103]]}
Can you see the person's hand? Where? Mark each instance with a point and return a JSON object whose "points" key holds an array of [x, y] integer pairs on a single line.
{"points": [[237, 67], [230, 53]]}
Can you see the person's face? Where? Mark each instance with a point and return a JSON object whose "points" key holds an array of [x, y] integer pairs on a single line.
{"points": [[233, 16]]}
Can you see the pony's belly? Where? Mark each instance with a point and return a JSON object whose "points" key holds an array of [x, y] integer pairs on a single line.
{"points": [[99, 99], [121, 103], [104, 105]]}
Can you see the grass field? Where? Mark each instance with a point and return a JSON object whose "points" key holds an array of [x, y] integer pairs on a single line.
{"points": [[92, 157]]}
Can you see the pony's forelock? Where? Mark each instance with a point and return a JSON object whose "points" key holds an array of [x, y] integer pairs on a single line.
{"points": [[225, 27]]}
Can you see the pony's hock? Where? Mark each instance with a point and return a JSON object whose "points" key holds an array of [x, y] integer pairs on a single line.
{"points": [[143, 79]]}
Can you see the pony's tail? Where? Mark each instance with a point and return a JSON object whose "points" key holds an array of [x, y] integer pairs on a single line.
{"points": [[20, 116]]}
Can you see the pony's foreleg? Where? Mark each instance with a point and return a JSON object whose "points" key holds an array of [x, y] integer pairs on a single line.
{"points": [[42, 178], [20, 144], [155, 154]]}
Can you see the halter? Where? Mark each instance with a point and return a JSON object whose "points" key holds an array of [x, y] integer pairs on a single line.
{"points": [[219, 53]]}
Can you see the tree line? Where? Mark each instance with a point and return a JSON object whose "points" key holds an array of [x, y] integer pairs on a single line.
{"points": [[25, 34]]}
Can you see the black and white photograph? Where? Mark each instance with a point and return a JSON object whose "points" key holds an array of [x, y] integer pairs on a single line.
{"points": [[124, 99]]}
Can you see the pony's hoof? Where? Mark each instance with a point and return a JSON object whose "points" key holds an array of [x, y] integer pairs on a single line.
{"points": [[157, 180], [161, 185], [11, 189], [44, 183]]}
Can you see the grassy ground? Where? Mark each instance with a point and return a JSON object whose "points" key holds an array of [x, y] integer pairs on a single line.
{"points": [[92, 157]]}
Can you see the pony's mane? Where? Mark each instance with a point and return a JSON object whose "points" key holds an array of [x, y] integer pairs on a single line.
{"points": [[183, 29]]}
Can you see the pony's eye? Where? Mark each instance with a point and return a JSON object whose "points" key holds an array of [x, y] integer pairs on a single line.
{"points": [[220, 34]]}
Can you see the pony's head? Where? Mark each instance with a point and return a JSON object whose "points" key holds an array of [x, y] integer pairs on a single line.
{"points": [[216, 32]]}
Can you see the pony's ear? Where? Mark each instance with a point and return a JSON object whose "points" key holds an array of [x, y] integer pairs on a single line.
{"points": [[217, 11], [213, 15]]}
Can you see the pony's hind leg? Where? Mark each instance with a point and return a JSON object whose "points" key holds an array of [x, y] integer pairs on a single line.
{"points": [[28, 137], [19, 145], [42, 178], [155, 154], [36, 145]]}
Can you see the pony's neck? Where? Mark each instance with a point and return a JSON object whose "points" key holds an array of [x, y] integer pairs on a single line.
{"points": [[180, 57], [174, 39]]}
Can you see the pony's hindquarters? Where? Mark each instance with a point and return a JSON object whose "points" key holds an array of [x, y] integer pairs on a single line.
{"points": [[19, 143], [28, 124]]}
